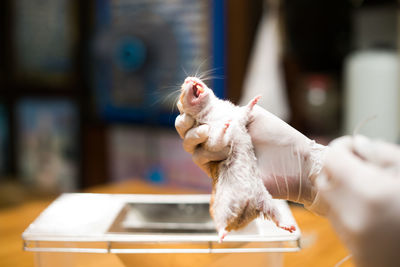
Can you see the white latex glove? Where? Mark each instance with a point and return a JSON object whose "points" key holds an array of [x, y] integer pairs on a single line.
{"points": [[360, 185], [287, 159]]}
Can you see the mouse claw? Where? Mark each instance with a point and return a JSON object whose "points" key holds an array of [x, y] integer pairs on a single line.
{"points": [[227, 125], [200, 88], [221, 235], [254, 101], [289, 228]]}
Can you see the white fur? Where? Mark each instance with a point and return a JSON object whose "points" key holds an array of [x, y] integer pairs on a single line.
{"points": [[239, 190]]}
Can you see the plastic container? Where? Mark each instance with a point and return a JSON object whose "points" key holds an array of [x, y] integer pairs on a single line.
{"points": [[150, 230], [372, 86]]}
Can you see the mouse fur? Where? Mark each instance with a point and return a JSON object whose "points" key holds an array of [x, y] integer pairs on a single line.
{"points": [[238, 194]]}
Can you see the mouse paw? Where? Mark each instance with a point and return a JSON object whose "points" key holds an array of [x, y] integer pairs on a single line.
{"points": [[219, 137], [221, 235], [289, 228], [253, 102], [227, 125]]}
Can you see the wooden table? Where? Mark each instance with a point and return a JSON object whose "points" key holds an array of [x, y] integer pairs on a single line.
{"points": [[321, 246]]}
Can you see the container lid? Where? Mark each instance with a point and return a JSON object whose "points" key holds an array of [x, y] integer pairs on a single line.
{"points": [[121, 223]]}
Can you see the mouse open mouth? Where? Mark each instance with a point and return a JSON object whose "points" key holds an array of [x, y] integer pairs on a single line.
{"points": [[197, 89]]}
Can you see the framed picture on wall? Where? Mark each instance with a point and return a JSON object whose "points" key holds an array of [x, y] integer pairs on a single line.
{"points": [[4, 141], [47, 145], [143, 50], [45, 39]]}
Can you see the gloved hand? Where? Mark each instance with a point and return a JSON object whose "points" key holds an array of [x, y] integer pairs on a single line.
{"points": [[287, 159], [360, 186]]}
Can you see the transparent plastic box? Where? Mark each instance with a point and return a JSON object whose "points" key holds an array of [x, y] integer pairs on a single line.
{"points": [[151, 230]]}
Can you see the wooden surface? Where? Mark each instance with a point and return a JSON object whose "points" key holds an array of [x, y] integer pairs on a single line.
{"points": [[321, 246]]}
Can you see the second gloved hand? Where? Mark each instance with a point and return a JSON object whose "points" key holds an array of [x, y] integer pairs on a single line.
{"points": [[360, 185]]}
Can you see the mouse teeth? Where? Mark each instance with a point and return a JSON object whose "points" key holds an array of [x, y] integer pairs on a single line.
{"points": [[195, 92], [199, 89]]}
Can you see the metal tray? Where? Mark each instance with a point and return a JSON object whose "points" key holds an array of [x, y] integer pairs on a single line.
{"points": [[104, 223]]}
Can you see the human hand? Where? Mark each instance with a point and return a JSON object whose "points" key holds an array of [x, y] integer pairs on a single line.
{"points": [[287, 159], [360, 186], [193, 137]]}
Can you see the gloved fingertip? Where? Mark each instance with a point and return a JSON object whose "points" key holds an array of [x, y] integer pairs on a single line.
{"points": [[203, 130], [178, 125], [183, 123], [339, 163], [180, 107], [322, 181], [195, 137], [342, 142]]}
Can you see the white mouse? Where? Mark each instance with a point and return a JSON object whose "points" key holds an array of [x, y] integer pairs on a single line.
{"points": [[238, 194]]}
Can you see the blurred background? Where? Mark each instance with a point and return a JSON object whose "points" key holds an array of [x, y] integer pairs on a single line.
{"points": [[88, 88]]}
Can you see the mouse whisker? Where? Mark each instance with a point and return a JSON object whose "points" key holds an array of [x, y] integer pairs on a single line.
{"points": [[165, 94], [208, 73], [184, 71], [200, 66]]}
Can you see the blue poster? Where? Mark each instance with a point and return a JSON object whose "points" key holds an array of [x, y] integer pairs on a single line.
{"points": [[143, 50]]}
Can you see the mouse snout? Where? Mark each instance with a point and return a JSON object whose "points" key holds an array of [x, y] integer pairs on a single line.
{"points": [[194, 95], [192, 80], [193, 86]]}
